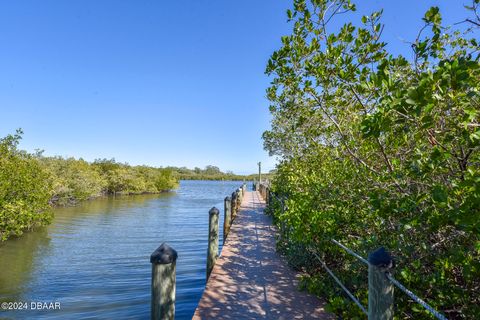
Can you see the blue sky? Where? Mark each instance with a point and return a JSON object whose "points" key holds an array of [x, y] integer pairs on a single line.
{"points": [[155, 82]]}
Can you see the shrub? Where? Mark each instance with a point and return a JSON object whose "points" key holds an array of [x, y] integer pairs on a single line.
{"points": [[24, 190]]}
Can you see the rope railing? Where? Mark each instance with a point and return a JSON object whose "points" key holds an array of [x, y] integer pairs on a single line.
{"points": [[354, 299], [350, 251], [415, 298], [379, 275], [400, 286]]}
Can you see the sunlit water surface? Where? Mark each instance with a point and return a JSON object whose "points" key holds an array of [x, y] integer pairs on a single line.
{"points": [[94, 258]]}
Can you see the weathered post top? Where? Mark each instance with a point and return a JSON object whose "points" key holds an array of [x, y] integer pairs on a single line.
{"points": [[380, 258], [164, 255], [214, 211]]}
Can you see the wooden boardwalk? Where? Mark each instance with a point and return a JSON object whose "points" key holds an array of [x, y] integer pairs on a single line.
{"points": [[250, 280]]}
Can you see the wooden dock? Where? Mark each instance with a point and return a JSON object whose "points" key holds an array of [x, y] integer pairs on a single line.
{"points": [[250, 280]]}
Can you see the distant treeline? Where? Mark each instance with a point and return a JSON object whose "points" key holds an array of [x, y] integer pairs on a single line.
{"points": [[209, 173], [30, 184]]}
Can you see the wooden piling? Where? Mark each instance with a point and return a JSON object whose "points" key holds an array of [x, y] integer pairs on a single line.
{"points": [[234, 205], [163, 262], [240, 195], [380, 289], [227, 217], [238, 199], [212, 252]]}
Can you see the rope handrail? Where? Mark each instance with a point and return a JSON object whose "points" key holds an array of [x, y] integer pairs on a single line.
{"points": [[276, 197], [359, 257], [415, 298], [354, 299]]}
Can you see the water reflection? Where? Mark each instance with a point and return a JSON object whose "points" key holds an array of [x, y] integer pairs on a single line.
{"points": [[94, 258], [17, 262]]}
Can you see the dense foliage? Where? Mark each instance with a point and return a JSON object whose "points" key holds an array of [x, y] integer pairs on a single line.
{"points": [[379, 150], [77, 180], [31, 184], [24, 190]]}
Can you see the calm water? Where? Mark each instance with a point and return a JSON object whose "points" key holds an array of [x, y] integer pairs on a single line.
{"points": [[94, 258]]}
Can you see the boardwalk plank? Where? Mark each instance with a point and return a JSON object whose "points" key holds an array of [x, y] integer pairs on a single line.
{"points": [[250, 280]]}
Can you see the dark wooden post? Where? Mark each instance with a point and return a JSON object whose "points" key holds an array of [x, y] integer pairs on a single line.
{"points": [[212, 252], [236, 202], [238, 199], [234, 205], [163, 262], [227, 217], [380, 289], [240, 193]]}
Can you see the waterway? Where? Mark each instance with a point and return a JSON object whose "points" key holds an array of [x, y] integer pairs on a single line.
{"points": [[94, 258]]}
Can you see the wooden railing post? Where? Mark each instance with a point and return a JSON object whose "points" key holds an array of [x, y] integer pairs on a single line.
{"points": [[212, 252], [233, 207], [237, 200], [380, 289], [227, 217], [163, 262], [240, 196]]}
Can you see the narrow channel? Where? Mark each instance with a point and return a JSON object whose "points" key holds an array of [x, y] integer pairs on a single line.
{"points": [[94, 258]]}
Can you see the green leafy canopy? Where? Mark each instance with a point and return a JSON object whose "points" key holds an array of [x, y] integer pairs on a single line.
{"points": [[379, 150]]}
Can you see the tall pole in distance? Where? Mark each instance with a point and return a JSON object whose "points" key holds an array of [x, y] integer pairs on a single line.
{"points": [[259, 172]]}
